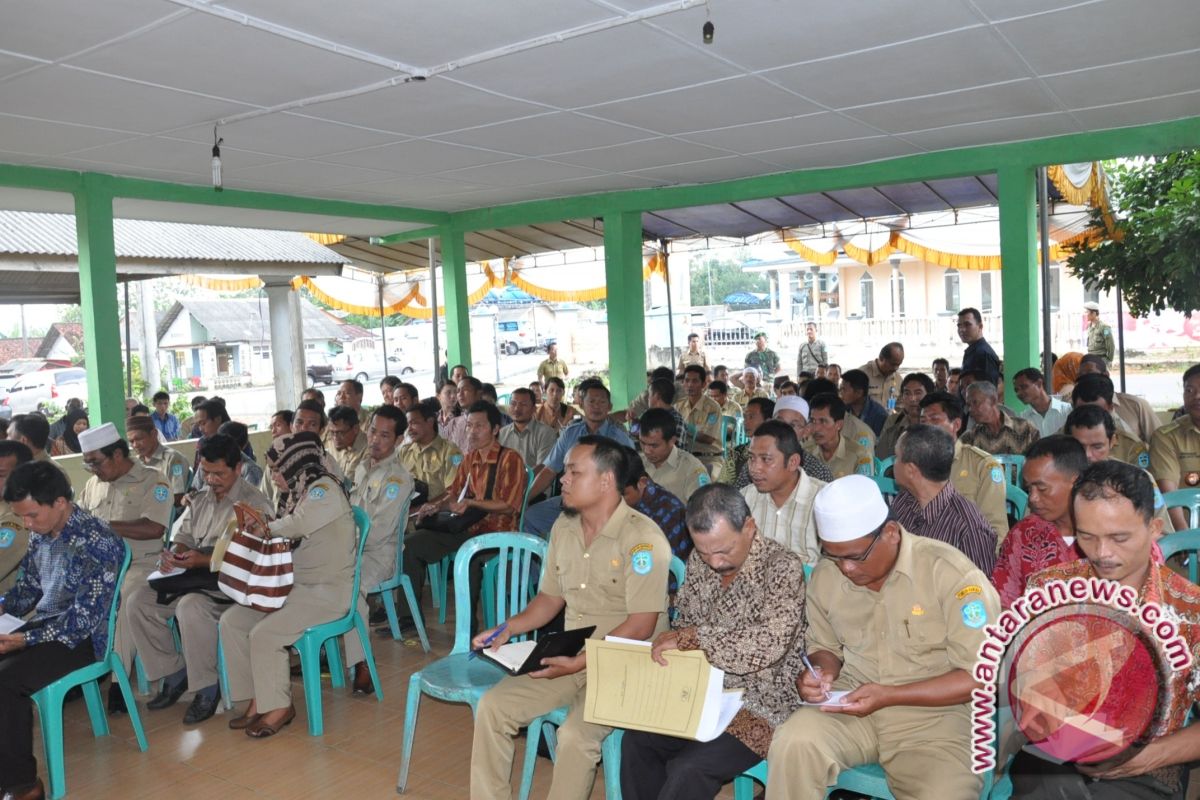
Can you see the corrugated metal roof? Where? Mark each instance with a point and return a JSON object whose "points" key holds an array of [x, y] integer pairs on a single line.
{"points": [[36, 233], [246, 320]]}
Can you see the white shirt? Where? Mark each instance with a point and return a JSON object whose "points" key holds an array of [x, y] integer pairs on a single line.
{"points": [[792, 524], [1054, 419]]}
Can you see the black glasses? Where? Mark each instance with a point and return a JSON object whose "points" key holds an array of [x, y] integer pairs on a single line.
{"points": [[90, 465], [863, 556]]}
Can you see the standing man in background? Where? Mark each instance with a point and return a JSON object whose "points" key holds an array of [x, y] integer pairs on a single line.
{"points": [[979, 357], [1099, 335], [765, 360], [551, 367], [813, 354], [693, 354]]}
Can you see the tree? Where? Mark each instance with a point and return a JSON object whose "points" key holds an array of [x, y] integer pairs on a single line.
{"points": [[724, 276], [1154, 252]]}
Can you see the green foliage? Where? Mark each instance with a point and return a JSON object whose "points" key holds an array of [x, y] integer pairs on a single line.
{"points": [[1156, 260], [726, 276]]}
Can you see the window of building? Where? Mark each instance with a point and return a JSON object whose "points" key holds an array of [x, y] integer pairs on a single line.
{"points": [[866, 286], [897, 293], [262, 351], [985, 289], [953, 298], [1055, 280]]}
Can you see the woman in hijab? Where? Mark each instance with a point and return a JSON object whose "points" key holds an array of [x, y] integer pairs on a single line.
{"points": [[74, 423], [314, 512]]}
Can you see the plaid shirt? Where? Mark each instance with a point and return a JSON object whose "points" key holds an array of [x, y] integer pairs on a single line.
{"points": [[1015, 436], [69, 581], [510, 485]]}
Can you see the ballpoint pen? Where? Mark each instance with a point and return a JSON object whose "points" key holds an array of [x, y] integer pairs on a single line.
{"points": [[502, 627], [809, 666]]}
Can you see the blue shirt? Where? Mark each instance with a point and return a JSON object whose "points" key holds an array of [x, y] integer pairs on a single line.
{"points": [[70, 580], [874, 415], [980, 358], [576, 431], [168, 427], [669, 513]]}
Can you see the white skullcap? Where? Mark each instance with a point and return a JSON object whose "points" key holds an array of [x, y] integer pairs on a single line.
{"points": [[748, 370], [848, 509], [100, 436], [789, 402]]}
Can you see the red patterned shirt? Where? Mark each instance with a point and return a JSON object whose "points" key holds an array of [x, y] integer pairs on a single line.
{"points": [[510, 485]]}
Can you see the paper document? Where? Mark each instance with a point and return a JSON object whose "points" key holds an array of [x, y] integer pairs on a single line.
{"points": [[165, 573], [9, 623], [628, 689], [837, 699], [512, 655]]}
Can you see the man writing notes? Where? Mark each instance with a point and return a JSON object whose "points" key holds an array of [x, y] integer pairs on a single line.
{"points": [[607, 566], [743, 605], [895, 620]]}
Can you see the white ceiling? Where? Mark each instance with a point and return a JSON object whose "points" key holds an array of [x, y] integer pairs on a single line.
{"points": [[133, 87]]}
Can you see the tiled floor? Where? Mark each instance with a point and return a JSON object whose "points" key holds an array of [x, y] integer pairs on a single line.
{"points": [[358, 757]]}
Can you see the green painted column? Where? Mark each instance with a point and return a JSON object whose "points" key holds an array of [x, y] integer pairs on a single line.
{"points": [[626, 307], [98, 299], [454, 298], [1019, 271]]}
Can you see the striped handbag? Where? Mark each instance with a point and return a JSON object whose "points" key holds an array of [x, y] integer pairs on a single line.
{"points": [[256, 570]]}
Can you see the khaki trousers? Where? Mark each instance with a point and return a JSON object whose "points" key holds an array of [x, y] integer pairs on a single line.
{"points": [[924, 752], [256, 643], [135, 579], [512, 704], [196, 615]]}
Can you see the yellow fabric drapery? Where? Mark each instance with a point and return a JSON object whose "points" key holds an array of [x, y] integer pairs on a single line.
{"points": [[359, 297], [655, 264], [327, 238], [220, 283], [823, 255], [1077, 183], [866, 248]]}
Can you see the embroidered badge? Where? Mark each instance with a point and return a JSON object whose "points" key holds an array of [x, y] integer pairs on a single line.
{"points": [[642, 558], [7, 536], [1159, 501], [1144, 460], [704, 480], [712, 419], [966, 591], [997, 475], [392, 491], [161, 493], [177, 470], [456, 459], [316, 493], [974, 614], [865, 441]]}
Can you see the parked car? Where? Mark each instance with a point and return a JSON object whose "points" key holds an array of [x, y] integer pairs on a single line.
{"points": [[365, 366], [36, 391], [319, 369]]}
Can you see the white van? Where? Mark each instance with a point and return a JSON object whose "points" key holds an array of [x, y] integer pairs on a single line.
{"points": [[49, 387]]}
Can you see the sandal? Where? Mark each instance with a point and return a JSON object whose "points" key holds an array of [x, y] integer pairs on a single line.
{"points": [[263, 730]]}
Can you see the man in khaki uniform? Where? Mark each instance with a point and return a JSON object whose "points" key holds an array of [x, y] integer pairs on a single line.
{"points": [[1175, 448], [193, 538], [33, 431], [348, 443], [1099, 335], [350, 393], [607, 566], [170, 464], [883, 375], [136, 502], [895, 619], [382, 488], [976, 475], [841, 455], [14, 536], [693, 354], [672, 468], [703, 418], [551, 367], [430, 459]]}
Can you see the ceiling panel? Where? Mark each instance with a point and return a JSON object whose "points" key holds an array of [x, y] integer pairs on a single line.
{"points": [[515, 173], [837, 153], [1005, 130], [1020, 98], [301, 172], [548, 133], [159, 152], [1137, 112], [1117, 84], [47, 34], [288, 136], [717, 169], [808, 129], [419, 156], [640, 155], [52, 138]]}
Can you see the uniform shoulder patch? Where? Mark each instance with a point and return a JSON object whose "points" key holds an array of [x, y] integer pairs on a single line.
{"points": [[1143, 460], [711, 420], [7, 536], [865, 441], [456, 459], [641, 557], [392, 491], [177, 470], [997, 474], [966, 591], [162, 492], [316, 493], [1159, 501], [974, 614], [703, 478]]}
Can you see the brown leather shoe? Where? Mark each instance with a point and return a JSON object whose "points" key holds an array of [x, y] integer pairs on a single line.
{"points": [[362, 679], [262, 730], [244, 721], [32, 791]]}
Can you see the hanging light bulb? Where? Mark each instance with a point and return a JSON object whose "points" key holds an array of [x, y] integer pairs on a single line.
{"points": [[216, 161], [708, 31]]}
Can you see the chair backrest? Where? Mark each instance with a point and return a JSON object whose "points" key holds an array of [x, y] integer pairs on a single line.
{"points": [[729, 434], [1017, 501], [116, 601], [887, 486], [401, 525], [516, 578], [678, 570], [525, 500], [1013, 465], [1184, 542], [1185, 498], [882, 465], [362, 529]]}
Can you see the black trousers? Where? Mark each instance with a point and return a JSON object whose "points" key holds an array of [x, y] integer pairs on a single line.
{"points": [[427, 547], [1037, 779], [656, 767], [21, 674]]}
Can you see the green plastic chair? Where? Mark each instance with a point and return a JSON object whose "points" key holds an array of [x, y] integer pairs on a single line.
{"points": [[610, 748], [1014, 466], [1016, 501], [1186, 542], [310, 642], [1188, 499], [458, 678], [729, 434], [49, 699], [887, 487], [400, 581], [882, 465]]}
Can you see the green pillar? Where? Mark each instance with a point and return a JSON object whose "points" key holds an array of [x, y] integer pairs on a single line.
{"points": [[626, 308], [454, 298], [1019, 270], [98, 300]]}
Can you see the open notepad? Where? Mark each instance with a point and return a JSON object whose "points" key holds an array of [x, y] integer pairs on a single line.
{"points": [[522, 657], [9, 623], [626, 688], [837, 699]]}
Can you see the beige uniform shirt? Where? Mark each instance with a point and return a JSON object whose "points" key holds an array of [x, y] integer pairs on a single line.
{"points": [[681, 474], [880, 386], [858, 432], [141, 492], [533, 444], [978, 476], [688, 358], [1131, 450], [382, 490], [551, 369], [14, 541], [1175, 453], [435, 464], [324, 524], [172, 466], [893, 429], [206, 518], [349, 458], [850, 458], [623, 572], [706, 416], [1135, 414], [731, 409], [792, 524], [925, 621]]}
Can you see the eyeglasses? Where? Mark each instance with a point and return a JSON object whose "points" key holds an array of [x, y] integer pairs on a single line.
{"points": [[92, 464], [863, 556]]}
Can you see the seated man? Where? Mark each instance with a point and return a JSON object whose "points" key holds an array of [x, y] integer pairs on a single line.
{"points": [[165, 422], [310, 416], [842, 456], [432, 460], [853, 428], [490, 485], [33, 431], [14, 536], [533, 440], [928, 503], [782, 493], [854, 393], [665, 509], [995, 432], [702, 417], [609, 588], [1175, 448], [913, 389], [1043, 410], [249, 469], [1096, 429], [1113, 506], [719, 392], [795, 412], [68, 580], [743, 605], [170, 464], [896, 620], [1135, 414], [757, 411], [673, 468], [204, 520], [1097, 390], [349, 442], [662, 395]]}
